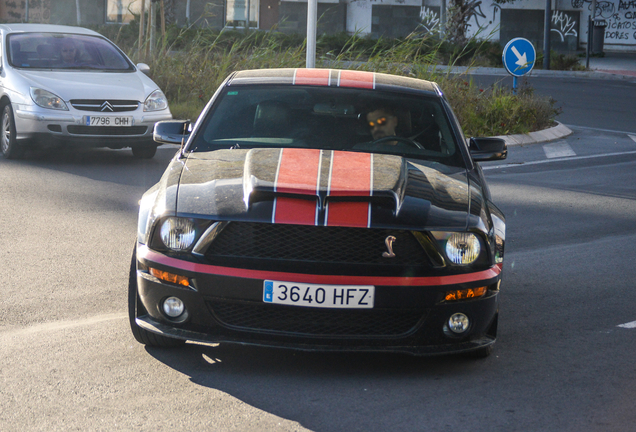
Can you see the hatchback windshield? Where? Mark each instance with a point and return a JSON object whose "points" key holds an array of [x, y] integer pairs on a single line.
{"points": [[403, 124], [65, 51]]}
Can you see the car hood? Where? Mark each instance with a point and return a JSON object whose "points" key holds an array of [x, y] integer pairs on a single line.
{"points": [[320, 187], [92, 85]]}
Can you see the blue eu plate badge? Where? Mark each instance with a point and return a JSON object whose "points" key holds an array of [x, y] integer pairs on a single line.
{"points": [[268, 292]]}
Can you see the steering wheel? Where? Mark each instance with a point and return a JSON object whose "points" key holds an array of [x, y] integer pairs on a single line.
{"points": [[399, 139]]}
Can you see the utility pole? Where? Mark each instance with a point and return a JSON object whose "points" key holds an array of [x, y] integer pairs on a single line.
{"points": [[26, 11], [442, 18]]}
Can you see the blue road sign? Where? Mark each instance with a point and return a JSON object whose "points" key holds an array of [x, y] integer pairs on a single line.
{"points": [[519, 56]]}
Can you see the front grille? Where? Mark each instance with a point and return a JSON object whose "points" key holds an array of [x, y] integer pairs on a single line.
{"points": [[107, 130], [315, 322], [105, 106], [315, 244]]}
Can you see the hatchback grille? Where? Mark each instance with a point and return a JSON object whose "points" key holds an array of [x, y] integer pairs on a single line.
{"points": [[316, 322], [316, 244], [107, 130], [105, 106]]}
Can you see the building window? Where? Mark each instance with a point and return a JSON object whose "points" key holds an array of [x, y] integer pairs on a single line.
{"points": [[235, 16], [121, 11]]}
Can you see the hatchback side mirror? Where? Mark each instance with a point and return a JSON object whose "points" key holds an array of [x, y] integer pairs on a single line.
{"points": [[487, 149], [171, 132], [144, 68]]}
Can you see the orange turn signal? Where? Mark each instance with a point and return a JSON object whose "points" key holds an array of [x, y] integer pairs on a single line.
{"points": [[170, 277], [465, 294]]}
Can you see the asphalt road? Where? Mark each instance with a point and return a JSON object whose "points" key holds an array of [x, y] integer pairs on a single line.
{"points": [[607, 104], [564, 360]]}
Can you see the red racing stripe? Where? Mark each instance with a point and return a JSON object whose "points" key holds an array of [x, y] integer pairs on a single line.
{"points": [[351, 175], [317, 77], [348, 214], [294, 211], [146, 254], [298, 172], [357, 79]]}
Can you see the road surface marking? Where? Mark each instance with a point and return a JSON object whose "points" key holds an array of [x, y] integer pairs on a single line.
{"points": [[521, 164], [633, 137], [598, 129], [63, 325], [558, 150], [628, 325]]}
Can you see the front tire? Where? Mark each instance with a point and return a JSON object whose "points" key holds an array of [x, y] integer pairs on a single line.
{"points": [[8, 143], [135, 308]]}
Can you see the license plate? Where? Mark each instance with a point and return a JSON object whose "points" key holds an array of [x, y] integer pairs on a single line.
{"points": [[319, 296], [108, 120]]}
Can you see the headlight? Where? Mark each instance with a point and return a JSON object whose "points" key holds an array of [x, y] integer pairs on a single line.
{"points": [[46, 99], [156, 101], [177, 234], [462, 248]]}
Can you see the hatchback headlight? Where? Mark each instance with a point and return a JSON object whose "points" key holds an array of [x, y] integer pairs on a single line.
{"points": [[156, 101], [462, 248], [46, 99], [178, 234]]}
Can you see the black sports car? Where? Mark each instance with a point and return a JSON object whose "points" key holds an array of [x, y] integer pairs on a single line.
{"points": [[321, 209]]}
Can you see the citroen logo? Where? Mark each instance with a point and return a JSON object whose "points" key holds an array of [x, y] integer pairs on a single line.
{"points": [[389, 247], [106, 106]]}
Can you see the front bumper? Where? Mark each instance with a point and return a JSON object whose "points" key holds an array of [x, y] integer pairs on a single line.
{"points": [[40, 126], [406, 318]]}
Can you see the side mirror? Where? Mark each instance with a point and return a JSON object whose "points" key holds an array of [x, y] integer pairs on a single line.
{"points": [[171, 131], [487, 149], [144, 68]]}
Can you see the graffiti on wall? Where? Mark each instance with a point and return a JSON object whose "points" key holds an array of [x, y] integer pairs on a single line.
{"points": [[564, 25], [620, 17], [430, 20], [479, 20]]}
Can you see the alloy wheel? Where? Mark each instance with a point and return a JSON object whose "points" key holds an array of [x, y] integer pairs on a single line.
{"points": [[6, 131]]}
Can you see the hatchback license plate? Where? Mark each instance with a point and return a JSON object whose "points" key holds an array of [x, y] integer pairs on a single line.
{"points": [[108, 120], [319, 296]]}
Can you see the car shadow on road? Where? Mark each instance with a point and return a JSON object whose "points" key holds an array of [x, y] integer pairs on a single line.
{"points": [[317, 389], [114, 166]]}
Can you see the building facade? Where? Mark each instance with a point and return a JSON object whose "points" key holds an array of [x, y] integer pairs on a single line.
{"points": [[386, 18]]}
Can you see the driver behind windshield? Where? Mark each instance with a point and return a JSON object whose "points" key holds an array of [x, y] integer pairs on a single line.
{"points": [[382, 122], [68, 53]]}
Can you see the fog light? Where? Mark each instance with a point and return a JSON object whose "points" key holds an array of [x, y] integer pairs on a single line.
{"points": [[458, 323], [173, 307]]}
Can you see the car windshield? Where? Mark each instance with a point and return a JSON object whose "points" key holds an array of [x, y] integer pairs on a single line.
{"points": [[66, 52], [404, 124]]}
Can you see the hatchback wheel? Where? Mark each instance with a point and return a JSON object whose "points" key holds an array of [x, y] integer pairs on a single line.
{"points": [[8, 144]]}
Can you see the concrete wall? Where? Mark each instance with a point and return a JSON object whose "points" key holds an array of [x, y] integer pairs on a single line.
{"points": [[569, 20], [332, 17]]}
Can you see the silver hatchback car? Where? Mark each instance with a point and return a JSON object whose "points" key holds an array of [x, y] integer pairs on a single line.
{"points": [[62, 85]]}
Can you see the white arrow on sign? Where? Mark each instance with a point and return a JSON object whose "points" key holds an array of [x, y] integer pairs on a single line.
{"points": [[522, 60]]}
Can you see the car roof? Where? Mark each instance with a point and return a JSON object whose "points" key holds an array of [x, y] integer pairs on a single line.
{"points": [[333, 78], [45, 28]]}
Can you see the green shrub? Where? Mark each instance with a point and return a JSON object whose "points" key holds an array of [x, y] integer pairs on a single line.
{"points": [[190, 64]]}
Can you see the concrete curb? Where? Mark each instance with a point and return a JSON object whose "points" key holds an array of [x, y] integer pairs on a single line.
{"points": [[557, 132], [593, 74]]}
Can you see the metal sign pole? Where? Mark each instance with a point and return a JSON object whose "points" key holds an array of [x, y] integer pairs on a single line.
{"points": [[312, 17], [546, 34]]}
